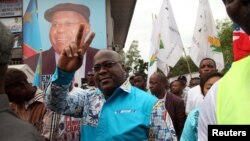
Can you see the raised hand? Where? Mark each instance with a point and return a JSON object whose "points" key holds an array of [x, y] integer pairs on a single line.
{"points": [[72, 56]]}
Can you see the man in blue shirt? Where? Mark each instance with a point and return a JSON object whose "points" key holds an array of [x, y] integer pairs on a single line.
{"points": [[117, 111]]}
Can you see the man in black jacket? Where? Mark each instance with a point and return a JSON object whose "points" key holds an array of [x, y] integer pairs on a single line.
{"points": [[12, 128]]}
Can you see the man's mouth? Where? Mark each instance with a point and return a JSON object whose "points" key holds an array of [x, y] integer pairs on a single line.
{"points": [[61, 40], [104, 81]]}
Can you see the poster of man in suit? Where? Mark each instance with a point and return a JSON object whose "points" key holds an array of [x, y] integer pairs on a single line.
{"points": [[58, 22]]}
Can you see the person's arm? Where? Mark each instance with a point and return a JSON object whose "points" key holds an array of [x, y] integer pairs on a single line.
{"points": [[50, 125], [207, 113], [180, 117], [70, 60], [189, 132], [161, 126], [59, 99], [189, 102]]}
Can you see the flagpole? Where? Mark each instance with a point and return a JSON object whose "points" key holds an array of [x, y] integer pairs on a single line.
{"points": [[40, 61], [188, 65]]}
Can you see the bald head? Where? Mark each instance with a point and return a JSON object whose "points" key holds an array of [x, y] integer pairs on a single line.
{"points": [[109, 54], [157, 84], [160, 77]]}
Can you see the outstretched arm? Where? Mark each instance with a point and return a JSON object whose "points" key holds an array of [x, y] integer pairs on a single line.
{"points": [[72, 56], [57, 94]]}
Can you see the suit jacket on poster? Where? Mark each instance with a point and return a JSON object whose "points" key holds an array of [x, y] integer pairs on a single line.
{"points": [[49, 63], [176, 109]]}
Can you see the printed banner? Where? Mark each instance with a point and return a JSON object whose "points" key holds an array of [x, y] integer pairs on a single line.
{"points": [[10, 8]]}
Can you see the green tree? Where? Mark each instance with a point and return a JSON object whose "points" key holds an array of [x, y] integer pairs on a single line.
{"points": [[225, 31], [132, 56], [122, 55], [181, 67], [141, 67]]}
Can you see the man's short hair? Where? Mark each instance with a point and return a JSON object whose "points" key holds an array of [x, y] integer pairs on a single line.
{"points": [[178, 80], [141, 74], [14, 76], [183, 78], [161, 77], [208, 59], [78, 8], [6, 44]]}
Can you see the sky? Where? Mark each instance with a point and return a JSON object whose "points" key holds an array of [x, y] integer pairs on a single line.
{"points": [[185, 12]]}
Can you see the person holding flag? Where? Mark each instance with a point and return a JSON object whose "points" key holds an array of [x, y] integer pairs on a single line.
{"points": [[229, 103]]}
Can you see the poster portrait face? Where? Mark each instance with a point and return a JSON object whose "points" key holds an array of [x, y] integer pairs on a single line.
{"points": [[64, 28], [97, 20]]}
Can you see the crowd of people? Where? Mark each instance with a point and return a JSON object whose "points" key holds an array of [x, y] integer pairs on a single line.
{"points": [[111, 106]]}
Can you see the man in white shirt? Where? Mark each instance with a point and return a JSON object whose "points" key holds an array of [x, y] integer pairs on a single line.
{"points": [[194, 96], [228, 99]]}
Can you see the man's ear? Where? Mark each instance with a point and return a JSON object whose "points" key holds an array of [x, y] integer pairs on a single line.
{"points": [[123, 66], [199, 70]]}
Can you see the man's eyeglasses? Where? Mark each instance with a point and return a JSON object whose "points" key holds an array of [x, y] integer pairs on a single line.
{"points": [[105, 65], [90, 75]]}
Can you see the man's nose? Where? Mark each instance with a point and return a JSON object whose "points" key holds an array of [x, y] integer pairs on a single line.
{"points": [[103, 69], [206, 69], [61, 28]]}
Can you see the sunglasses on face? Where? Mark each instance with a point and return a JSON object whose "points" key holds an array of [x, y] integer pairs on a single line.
{"points": [[105, 65]]}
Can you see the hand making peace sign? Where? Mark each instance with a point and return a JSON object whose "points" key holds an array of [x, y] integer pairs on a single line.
{"points": [[72, 56]]}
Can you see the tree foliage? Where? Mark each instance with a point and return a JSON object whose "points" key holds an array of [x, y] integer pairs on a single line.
{"points": [[141, 66], [132, 57], [133, 54], [181, 67], [122, 55], [225, 31]]}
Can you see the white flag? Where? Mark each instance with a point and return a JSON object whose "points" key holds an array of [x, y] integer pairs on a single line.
{"points": [[204, 41], [152, 65], [169, 44]]}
